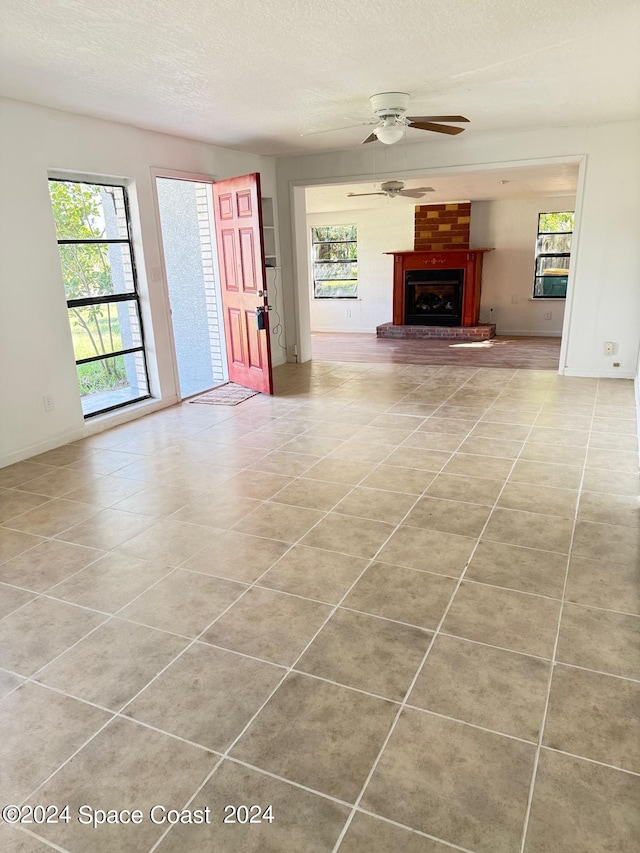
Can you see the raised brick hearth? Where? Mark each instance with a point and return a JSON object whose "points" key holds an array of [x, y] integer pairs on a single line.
{"points": [[482, 332]]}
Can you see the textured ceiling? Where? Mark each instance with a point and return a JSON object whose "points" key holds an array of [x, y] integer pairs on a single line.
{"points": [[254, 76], [523, 182]]}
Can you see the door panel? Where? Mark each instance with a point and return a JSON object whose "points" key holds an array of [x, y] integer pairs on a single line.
{"points": [[247, 260], [245, 207], [225, 207], [229, 264], [242, 272], [253, 340], [235, 342]]}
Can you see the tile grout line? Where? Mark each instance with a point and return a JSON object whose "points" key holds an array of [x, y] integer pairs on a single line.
{"points": [[615, 767], [50, 844], [543, 722]]}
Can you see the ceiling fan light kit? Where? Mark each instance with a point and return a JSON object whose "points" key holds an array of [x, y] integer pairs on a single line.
{"points": [[389, 133]]}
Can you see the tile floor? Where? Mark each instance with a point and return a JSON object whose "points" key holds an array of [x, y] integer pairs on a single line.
{"points": [[398, 604]]}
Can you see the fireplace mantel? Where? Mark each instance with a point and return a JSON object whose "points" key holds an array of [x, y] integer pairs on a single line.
{"points": [[469, 260]]}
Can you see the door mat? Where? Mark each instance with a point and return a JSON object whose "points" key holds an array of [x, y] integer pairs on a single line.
{"points": [[228, 394]]}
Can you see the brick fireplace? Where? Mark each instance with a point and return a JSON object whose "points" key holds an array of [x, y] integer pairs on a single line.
{"points": [[436, 287]]}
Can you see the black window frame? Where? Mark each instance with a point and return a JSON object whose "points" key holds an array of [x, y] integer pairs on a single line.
{"points": [[353, 261], [129, 296], [539, 255]]}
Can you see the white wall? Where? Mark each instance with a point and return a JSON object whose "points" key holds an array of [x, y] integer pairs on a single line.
{"points": [[637, 390], [36, 353], [604, 298], [511, 227], [380, 230]]}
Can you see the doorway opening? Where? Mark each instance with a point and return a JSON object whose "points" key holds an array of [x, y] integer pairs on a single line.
{"points": [[506, 201], [188, 237]]}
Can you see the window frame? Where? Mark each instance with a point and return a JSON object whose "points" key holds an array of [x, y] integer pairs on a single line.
{"points": [[539, 255], [314, 261], [129, 296]]}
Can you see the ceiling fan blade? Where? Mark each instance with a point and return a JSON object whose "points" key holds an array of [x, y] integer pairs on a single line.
{"points": [[336, 129], [371, 138], [417, 193], [357, 195], [437, 118], [437, 128]]}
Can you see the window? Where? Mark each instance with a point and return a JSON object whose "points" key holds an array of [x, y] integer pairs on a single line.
{"points": [[335, 262], [98, 270], [553, 250]]}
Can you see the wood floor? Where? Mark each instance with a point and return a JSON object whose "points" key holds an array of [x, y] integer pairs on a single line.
{"points": [[512, 352]]}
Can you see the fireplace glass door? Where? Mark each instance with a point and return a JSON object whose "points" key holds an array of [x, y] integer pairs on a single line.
{"points": [[433, 297]]}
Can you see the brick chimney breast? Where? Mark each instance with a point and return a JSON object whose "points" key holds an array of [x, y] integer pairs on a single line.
{"points": [[442, 226]]}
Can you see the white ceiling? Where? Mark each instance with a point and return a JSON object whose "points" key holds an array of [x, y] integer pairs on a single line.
{"points": [[254, 76], [555, 180]]}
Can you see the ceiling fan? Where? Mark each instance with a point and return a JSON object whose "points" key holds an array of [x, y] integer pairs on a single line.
{"points": [[389, 109], [392, 189]]}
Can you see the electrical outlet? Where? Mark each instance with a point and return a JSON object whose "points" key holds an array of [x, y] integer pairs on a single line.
{"points": [[292, 349], [547, 316], [514, 299], [609, 348], [47, 401], [348, 312]]}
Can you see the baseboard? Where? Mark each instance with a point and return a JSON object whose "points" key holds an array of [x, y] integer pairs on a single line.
{"points": [[526, 333], [41, 447], [344, 331], [90, 427], [597, 374]]}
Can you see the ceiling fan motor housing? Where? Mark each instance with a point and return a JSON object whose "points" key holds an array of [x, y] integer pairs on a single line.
{"points": [[392, 188], [389, 104]]}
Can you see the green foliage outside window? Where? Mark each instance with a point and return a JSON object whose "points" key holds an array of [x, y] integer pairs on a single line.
{"points": [[553, 254], [335, 261], [86, 272], [556, 222]]}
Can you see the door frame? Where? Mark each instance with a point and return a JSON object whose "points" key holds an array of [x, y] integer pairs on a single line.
{"points": [[195, 177]]}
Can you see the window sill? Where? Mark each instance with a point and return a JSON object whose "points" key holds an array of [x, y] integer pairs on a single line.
{"points": [[547, 298]]}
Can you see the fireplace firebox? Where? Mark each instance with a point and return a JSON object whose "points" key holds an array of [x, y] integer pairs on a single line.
{"points": [[433, 297]]}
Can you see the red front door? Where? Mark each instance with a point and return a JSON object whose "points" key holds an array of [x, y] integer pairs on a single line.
{"points": [[238, 216]]}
